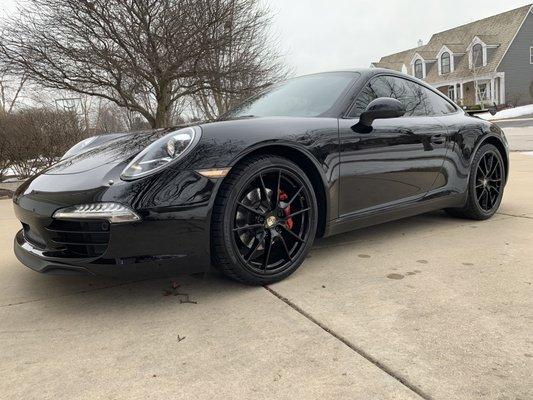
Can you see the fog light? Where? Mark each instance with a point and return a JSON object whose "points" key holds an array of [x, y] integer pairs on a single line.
{"points": [[113, 212]]}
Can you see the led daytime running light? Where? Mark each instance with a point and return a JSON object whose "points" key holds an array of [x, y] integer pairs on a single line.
{"points": [[113, 212]]}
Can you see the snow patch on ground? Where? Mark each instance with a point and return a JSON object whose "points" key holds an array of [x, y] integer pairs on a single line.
{"points": [[509, 113]]}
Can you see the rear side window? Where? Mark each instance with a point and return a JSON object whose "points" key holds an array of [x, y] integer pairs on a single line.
{"points": [[417, 100]]}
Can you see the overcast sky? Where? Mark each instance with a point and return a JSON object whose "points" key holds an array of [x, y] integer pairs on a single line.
{"points": [[320, 35]]}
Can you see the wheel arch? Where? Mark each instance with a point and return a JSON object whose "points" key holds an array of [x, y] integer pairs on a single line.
{"points": [[309, 166]]}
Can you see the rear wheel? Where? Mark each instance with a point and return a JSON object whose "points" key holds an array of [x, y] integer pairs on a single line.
{"points": [[485, 186], [264, 220]]}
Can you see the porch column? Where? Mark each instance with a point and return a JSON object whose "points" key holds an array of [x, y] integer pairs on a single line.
{"points": [[492, 86], [461, 93], [502, 88]]}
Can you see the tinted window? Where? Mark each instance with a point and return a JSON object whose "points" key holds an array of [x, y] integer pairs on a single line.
{"points": [[308, 96], [477, 55], [445, 63], [419, 71], [417, 100]]}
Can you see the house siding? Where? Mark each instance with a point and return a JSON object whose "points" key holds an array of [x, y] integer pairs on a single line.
{"points": [[517, 67]]}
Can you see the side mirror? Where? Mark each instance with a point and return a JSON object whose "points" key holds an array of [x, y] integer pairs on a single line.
{"points": [[381, 108]]}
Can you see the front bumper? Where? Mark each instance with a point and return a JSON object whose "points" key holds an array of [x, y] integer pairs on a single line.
{"points": [[140, 266], [171, 238]]}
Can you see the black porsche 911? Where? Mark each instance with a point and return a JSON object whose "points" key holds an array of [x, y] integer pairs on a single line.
{"points": [[311, 157]]}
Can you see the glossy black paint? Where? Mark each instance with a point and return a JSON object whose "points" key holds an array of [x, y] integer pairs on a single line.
{"points": [[403, 167], [381, 108]]}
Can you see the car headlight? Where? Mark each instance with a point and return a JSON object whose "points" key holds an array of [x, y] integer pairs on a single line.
{"points": [[160, 153], [115, 213], [78, 147]]}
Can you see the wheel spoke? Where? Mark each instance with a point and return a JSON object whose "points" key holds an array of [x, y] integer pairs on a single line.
{"points": [[486, 169], [298, 238], [297, 213], [489, 168], [254, 210], [264, 191], [295, 196], [494, 169], [492, 200], [279, 190], [254, 249], [267, 254], [286, 248], [486, 197], [248, 227], [496, 189]]}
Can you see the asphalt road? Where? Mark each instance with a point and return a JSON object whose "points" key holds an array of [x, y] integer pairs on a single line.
{"points": [[524, 122], [429, 307]]}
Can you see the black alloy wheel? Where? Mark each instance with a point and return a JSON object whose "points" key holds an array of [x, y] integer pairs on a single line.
{"points": [[486, 185], [264, 221], [489, 181]]}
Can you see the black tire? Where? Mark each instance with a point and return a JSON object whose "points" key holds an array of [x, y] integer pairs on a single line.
{"points": [[485, 189], [244, 213]]}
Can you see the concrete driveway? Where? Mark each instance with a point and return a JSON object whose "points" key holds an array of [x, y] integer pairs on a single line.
{"points": [[430, 307]]}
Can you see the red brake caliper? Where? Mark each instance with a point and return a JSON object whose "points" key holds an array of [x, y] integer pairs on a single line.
{"points": [[287, 211]]}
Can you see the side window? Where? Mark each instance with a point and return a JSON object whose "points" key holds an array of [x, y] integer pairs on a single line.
{"points": [[417, 100]]}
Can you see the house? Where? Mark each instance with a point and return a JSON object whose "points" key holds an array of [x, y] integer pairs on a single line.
{"points": [[486, 62]]}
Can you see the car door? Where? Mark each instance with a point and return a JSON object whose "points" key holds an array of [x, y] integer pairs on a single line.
{"points": [[401, 158]]}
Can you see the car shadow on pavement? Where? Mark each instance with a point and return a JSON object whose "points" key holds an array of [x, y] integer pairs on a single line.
{"points": [[99, 294]]}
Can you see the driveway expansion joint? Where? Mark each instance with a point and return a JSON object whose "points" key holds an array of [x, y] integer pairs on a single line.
{"points": [[516, 216], [353, 347]]}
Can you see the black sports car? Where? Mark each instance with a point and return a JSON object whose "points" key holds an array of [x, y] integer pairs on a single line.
{"points": [[311, 157]]}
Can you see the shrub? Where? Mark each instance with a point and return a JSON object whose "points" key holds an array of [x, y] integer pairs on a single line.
{"points": [[33, 139]]}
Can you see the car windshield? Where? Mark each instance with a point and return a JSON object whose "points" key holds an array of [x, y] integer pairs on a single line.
{"points": [[307, 96]]}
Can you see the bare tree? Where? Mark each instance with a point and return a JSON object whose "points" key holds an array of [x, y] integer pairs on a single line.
{"points": [[241, 68], [10, 89], [145, 55]]}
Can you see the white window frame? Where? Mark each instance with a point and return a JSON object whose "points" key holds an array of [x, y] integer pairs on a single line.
{"points": [[413, 62], [452, 89], [445, 49], [531, 55], [486, 92], [483, 52], [449, 63]]}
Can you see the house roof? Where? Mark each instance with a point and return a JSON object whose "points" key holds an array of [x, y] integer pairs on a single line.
{"points": [[498, 30], [455, 48]]}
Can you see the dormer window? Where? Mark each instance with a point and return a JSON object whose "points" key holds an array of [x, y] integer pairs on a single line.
{"points": [[445, 65], [478, 51], [419, 69], [477, 55], [446, 59]]}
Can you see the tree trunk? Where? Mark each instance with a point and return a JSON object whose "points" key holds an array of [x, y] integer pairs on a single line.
{"points": [[162, 115]]}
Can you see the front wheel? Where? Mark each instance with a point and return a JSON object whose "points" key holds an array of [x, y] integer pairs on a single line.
{"points": [[485, 186], [264, 220]]}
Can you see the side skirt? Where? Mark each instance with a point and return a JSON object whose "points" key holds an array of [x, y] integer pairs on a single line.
{"points": [[380, 216]]}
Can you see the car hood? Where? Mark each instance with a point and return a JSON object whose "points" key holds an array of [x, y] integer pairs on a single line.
{"points": [[119, 149]]}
